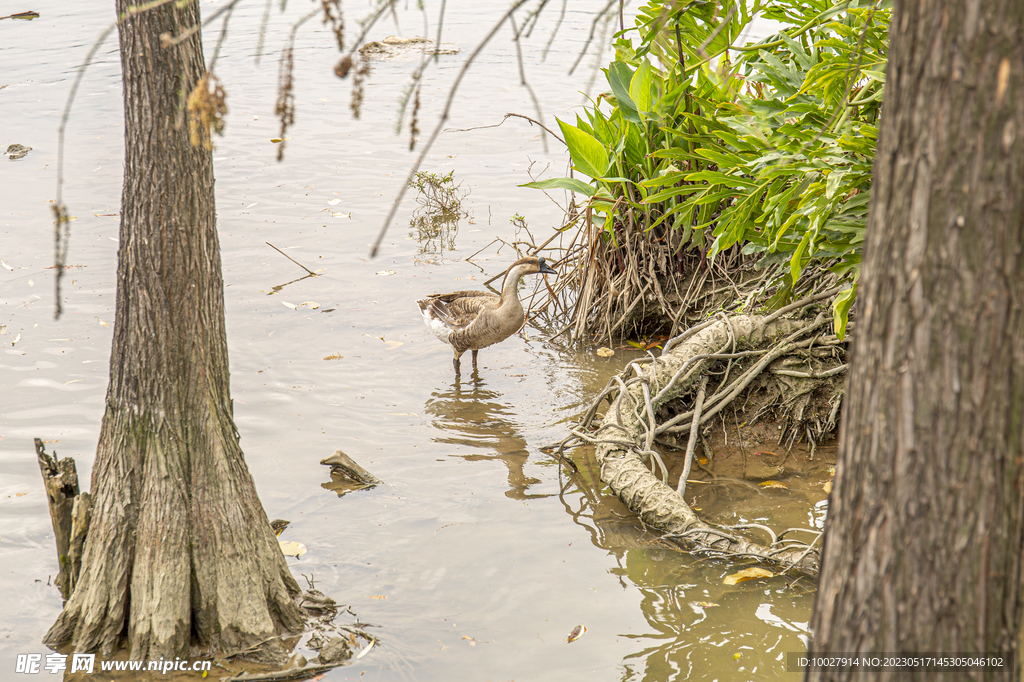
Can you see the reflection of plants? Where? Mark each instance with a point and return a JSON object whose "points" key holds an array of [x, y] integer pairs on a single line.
{"points": [[436, 233], [439, 194]]}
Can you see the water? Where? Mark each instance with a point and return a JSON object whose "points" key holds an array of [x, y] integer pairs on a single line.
{"points": [[476, 534]]}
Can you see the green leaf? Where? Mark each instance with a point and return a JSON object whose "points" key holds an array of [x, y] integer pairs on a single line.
{"points": [[619, 77], [796, 262], [640, 88], [563, 183], [588, 155], [841, 310], [832, 184]]}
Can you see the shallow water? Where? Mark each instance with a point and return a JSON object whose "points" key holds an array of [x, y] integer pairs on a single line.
{"points": [[476, 534]]}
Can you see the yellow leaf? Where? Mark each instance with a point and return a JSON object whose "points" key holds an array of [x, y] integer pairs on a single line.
{"points": [[752, 573], [827, 487], [576, 633], [365, 650], [336, 356], [773, 484], [377, 596], [290, 548]]}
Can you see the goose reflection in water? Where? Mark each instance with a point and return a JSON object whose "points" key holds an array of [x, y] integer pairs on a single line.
{"points": [[477, 417]]}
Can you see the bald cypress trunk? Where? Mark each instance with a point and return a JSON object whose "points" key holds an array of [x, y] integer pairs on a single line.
{"points": [[179, 551], [925, 532]]}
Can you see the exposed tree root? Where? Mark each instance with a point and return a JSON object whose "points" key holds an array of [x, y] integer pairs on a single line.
{"points": [[626, 434]]}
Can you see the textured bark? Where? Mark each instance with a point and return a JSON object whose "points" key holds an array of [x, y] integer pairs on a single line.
{"points": [[925, 532], [179, 549], [60, 477]]}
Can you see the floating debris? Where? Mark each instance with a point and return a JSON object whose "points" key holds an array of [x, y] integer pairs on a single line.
{"points": [[290, 548], [752, 573], [576, 633], [17, 151]]}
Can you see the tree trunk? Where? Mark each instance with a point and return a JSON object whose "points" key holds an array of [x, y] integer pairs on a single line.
{"points": [[179, 550], [925, 532]]}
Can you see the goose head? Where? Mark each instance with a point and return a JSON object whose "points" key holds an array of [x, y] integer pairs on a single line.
{"points": [[533, 265]]}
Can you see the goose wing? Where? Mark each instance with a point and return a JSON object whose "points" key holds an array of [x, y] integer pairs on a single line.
{"points": [[458, 309]]}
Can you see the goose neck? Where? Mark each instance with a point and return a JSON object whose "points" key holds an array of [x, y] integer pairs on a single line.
{"points": [[510, 289]]}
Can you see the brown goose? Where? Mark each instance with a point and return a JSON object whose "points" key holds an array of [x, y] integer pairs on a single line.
{"points": [[471, 320]]}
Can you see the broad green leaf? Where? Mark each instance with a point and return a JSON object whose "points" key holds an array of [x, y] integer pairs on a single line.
{"points": [[796, 262], [588, 155], [640, 88], [563, 183], [841, 310], [619, 77], [832, 184]]}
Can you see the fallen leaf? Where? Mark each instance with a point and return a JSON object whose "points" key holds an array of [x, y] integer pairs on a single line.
{"points": [[334, 202], [103, 323], [391, 345], [576, 633], [377, 596], [827, 487], [341, 214], [365, 650], [20, 494], [773, 484], [286, 304], [386, 273], [336, 356], [291, 548], [6, 265], [605, 352], [471, 640], [308, 304], [752, 573], [16, 339]]}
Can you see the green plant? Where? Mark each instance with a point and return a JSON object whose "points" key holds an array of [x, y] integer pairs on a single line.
{"points": [[705, 144], [438, 194]]}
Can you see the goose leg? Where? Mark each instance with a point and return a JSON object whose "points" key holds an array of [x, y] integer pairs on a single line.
{"points": [[457, 361], [474, 358]]}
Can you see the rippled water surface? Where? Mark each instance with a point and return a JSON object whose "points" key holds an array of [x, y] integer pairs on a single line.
{"points": [[478, 556]]}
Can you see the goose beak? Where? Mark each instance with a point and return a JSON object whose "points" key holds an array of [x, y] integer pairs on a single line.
{"points": [[546, 269]]}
